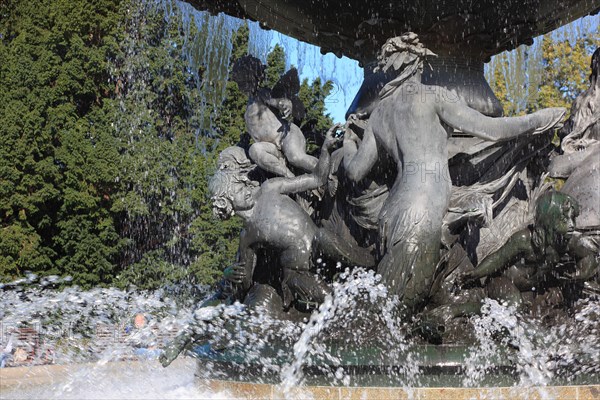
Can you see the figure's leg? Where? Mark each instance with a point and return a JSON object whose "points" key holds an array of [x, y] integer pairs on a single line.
{"points": [[182, 341], [269, 158], [408, 268], [298, 283], [294, 148], [503, 289], [337, 249], [265, 298], [303, 286], [193, 333]]}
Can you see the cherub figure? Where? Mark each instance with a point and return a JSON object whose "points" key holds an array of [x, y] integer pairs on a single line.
{"points": [[274, 221], [548, 253], [269, 118], [534, 267], [411, 125]]}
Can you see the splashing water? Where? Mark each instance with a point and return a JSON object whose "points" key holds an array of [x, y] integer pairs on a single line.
{"points": [[542, 353], [73, 323], [358, 294], [307, 347]]}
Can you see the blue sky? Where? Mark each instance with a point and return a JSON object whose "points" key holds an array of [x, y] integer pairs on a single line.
{"points": [[345, 73]]}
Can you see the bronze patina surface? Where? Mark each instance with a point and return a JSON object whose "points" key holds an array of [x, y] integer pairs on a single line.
{"points": [[357, 28]]}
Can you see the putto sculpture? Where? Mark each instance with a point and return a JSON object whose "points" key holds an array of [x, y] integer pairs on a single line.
{"points": [[273, 221], [449, 206], [269, 119]]}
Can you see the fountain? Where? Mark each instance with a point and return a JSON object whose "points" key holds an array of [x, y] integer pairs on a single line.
{"points": [[424, 251], [430, 188]]}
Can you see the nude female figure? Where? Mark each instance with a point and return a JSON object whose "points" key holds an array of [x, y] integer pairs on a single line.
{"points": [[411, 124]]}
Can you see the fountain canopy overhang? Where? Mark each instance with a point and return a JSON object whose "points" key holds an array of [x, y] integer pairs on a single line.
{"points": [[468, 29]]}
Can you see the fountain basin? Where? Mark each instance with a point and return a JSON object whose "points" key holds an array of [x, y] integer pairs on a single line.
{"points": [[357, 29], [41, 382], [431, 366], [245, 390]]}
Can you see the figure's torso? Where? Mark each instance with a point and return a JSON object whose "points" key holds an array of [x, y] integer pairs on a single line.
{"points": [[407, 127], [263, 125], [279, 222]]}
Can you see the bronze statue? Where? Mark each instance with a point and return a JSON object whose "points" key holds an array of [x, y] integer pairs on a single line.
{"points": [[535, 270], [579, 161], [273, 220], [392, 195], [269, 116], [548, 253], [411, 124]]}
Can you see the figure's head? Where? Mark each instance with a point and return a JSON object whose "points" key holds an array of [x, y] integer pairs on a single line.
{"points": [[248, 72], [231, 193], [139, 321], [555, 213], [402, 53]]}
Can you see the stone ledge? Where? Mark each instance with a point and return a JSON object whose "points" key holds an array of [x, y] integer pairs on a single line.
{"points": [[48, 374], [258, 391], [12, 377]]}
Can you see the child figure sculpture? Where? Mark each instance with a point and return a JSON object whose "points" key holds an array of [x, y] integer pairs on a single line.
{"points": [[268, 119], [274, 221]]}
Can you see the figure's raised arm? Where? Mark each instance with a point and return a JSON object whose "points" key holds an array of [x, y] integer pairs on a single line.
{"points": [[359, 161], [307, 181], [462, 117], [585, 251]]}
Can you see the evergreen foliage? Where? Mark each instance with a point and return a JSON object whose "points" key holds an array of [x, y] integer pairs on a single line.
{"points": [[156, 126], [275, 66], [215, 243], [313, 97], [110, 137], [56, 158]]}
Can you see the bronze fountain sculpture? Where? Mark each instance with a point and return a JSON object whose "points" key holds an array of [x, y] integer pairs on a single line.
{"points": [[430, 187]]}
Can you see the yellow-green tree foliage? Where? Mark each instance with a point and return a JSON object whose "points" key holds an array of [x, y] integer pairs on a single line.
{"points": [[498, 82], [565, 66], [550, 73]]}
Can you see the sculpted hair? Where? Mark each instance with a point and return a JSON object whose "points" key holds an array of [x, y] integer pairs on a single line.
{"points": [[234, 159], [401, 51], [219, 186], [402, 55]]}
